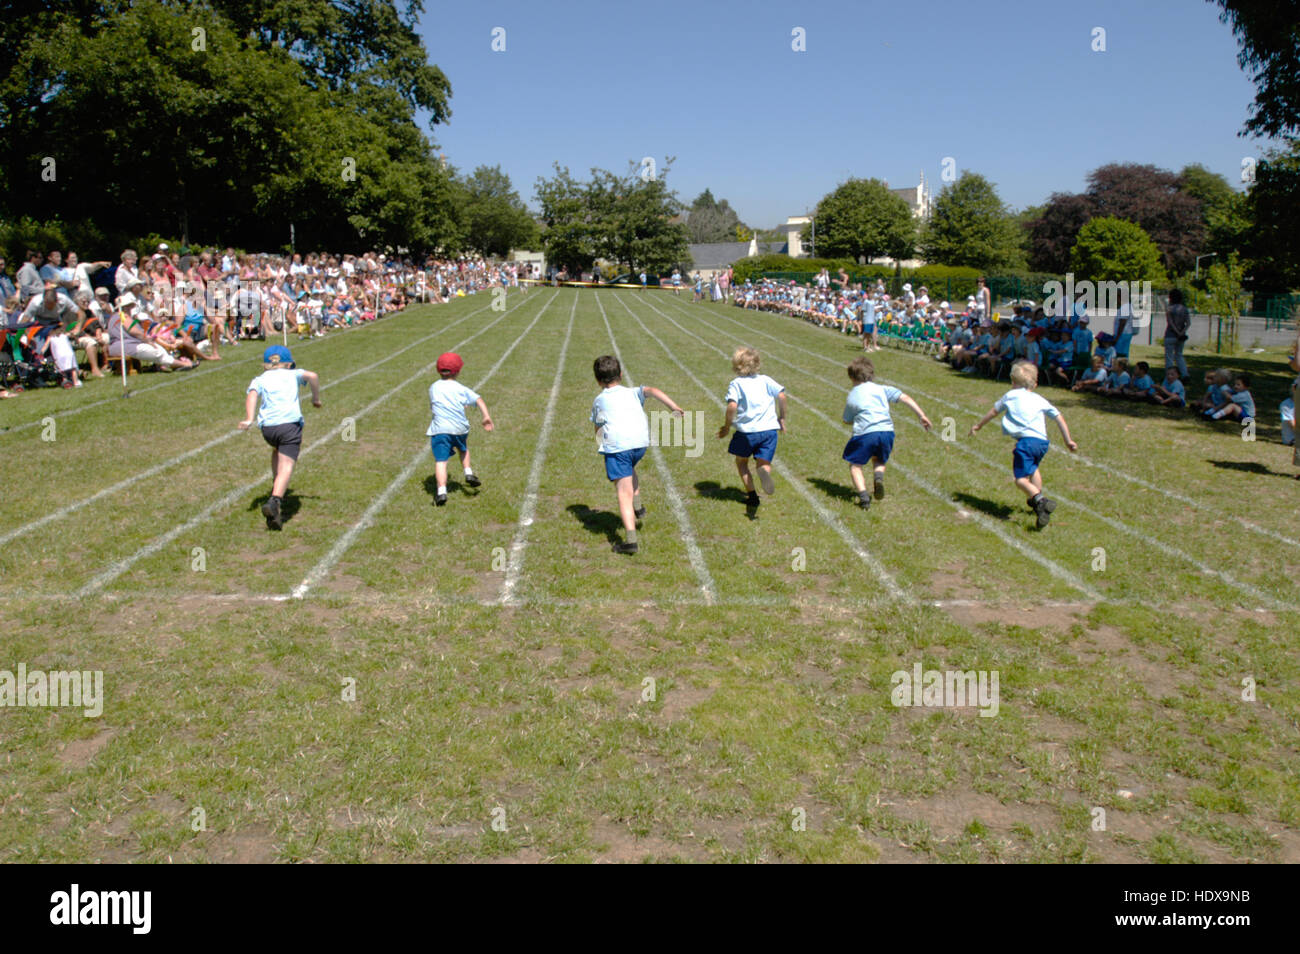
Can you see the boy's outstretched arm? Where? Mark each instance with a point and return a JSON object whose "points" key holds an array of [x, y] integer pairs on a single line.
{"points": [[487, 418], [1065, 432], [732, 406], [313, 382], [663, 399], [916, 409], [780, 417], [250, 409], [993, 412]]}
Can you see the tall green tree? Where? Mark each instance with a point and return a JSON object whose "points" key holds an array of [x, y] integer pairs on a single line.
{"points": [[625, 218], [709, 220], [1223, 209], [1113, 250], [1273, 205], [1269, 51], [971, 226], [494, 217], [862, 218], [193, 119]]}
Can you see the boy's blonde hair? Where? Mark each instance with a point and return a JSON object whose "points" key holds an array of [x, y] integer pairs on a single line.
{"points": [[745, 361], [1024, 374]]}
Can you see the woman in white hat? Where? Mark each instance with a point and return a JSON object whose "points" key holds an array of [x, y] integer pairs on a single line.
{"points": [[127, 335]]}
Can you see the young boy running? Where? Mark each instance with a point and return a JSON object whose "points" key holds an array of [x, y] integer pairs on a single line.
{"points": [[867, 409], [1024, 421], [623, 435], [449, 428], [280, 418], [752, 408]]}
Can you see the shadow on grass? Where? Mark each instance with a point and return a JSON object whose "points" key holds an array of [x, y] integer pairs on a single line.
{"points": [[598, 521], [712, 490], [290, 504], [1250, 467], [835, 490], [996, 510], [431, 487]]}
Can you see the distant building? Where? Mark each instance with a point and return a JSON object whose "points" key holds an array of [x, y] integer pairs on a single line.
{"points": [[709, 258], [918, 198]]}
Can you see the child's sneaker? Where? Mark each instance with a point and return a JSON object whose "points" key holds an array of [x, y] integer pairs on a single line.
{"points": [[639, 513], [864, 500], [1044, 511], [440, 499], [271, 511], [622, 547], [471, 480], [879, 488], [752, 500], [765, 478]]}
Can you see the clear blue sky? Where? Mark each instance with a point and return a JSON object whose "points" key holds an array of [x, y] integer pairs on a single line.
{"points": [[1012, 90]]}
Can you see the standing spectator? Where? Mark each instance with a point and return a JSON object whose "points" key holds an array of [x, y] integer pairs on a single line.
{"points": [[30, 283], [82, 271], [7, 289], [983, 300], [1124, 323], [1177, 321]]}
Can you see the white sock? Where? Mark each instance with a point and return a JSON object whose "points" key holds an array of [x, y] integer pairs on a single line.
{"points": [[442, 489], [469, 472]]}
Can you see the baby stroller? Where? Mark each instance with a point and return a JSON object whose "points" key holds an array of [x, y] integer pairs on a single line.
{"points": [[21, 369]]}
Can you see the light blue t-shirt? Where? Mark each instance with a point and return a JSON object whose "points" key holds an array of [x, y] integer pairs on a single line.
{"points": [[278, 390], [618, 412], [1175, 387], [1244, 400], [1023, 413], [1118, 379], [755, 397], [1144, 384], [867, 408], [448, 399]]}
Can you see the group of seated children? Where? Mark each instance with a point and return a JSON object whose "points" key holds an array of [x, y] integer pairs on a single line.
{"points": [[1119, 382], [1227, 397]]}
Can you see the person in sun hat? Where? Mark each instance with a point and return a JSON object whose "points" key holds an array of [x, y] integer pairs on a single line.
{"points": [[449, 428], [281, 421]]}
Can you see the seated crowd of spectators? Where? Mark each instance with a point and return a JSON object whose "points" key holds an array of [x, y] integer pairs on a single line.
{"points": [[175, 311], [977, 341]]}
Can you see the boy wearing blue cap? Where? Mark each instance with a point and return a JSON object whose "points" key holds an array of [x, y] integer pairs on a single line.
{"points": [[280, 419]]}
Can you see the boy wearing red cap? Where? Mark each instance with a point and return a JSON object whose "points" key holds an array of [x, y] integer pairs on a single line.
{"points": [[449, 428]]}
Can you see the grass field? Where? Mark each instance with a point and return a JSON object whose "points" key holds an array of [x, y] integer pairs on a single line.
{"points": [[524, 694]]}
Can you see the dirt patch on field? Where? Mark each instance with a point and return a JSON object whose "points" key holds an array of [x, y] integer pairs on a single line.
{"points": [[79, 753], [615, 844], [680, 700], [1059, 616], [1109, 645], [949, 813]]}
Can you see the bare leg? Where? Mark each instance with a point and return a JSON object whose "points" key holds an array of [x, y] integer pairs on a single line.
{"points": [[746, 478], [625, 487], [282, 470], [859, 481]]}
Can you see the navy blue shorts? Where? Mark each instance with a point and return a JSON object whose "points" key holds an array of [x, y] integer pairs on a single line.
{"points": [[444, 444], [877, 444], [1025, 458], [760, 445], [623, 463]]}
